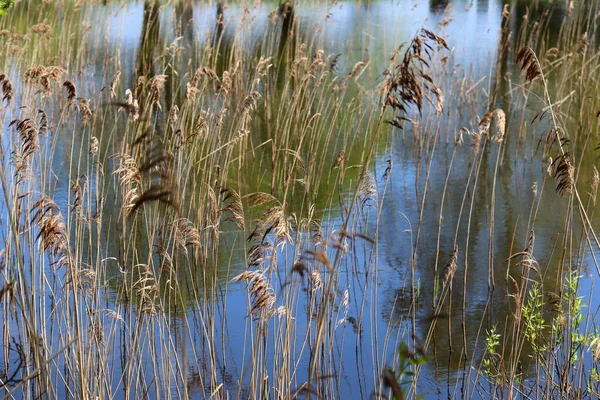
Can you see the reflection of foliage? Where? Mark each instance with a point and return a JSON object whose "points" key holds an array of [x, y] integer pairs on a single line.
{"points": [[5, 5]]}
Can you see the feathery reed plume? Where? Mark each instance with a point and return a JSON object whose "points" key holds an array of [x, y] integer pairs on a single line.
{"points": [[191, 92], [273, 220], [204, 71], [130, 178], [500, 125], [259, 252], [186, 234], [564, 173], [139, 87], [458, 140], [553, 52], [250, 102], [41, 29], [582, 44], [71, 92], [263, 66], [77, 206], [94, 146], [53, 237], [147, 290], [234, 207], [43, 124], [356, 69], [450, 268], [261, 292], [21, 164], [475, 141], [529, 63], [226, 83], [408, 84], [518, 300], [368, 189], [317, 61], [157, 85], [8, 91], [499, 117], [173, 117], [527, 260], [43, 76], [83, 107], [339, 160], [28, 131], [113, 84], [221, 117]]}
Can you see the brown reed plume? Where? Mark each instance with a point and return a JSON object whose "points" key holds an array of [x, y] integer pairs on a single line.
{"points": [[529, 64], [562, 168], [528, 262], [186, 234], [157, 86], [273, 220], [450, 268], [261, 292], [130, 178], [234, 207], [564, 173], [77, 206], [28, 131], [71, 92], [113, 84], [52, 235], [43, 124], [43, 76], [499, 117], [408, 84], [8, 91]]}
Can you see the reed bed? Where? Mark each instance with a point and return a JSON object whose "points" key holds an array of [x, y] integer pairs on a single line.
{"points": [[209, 214]]}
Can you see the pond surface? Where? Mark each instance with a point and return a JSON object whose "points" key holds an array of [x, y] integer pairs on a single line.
{"points": [[428, 202]]}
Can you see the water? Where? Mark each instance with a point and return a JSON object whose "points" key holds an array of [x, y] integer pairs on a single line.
{"points": [[386, 303]]}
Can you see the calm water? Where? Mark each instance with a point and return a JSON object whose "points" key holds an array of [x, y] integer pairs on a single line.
{"points": [[378, 280]]}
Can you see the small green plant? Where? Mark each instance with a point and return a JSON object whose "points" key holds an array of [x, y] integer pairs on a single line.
{"points": [[534, 320], [492, 359], [575, 306]]}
